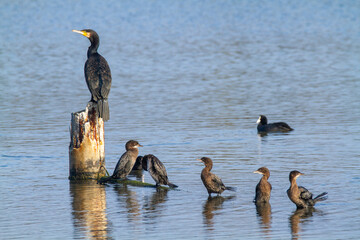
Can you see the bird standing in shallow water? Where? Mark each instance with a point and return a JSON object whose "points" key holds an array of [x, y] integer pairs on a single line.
{"points": [[263, 188], [157, 170], [97, 74], [300, 195], [264, 127], [212, 183]]}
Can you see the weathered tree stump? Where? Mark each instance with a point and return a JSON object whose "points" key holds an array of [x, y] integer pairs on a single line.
{"points": [[87, 145]]}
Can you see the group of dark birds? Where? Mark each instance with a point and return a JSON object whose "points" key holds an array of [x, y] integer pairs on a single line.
{"points": [[98, 80]]}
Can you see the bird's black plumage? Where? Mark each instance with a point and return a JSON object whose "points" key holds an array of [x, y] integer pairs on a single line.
{"points": [[138, 164], [97, 74], [157, 170], [265, 127]]}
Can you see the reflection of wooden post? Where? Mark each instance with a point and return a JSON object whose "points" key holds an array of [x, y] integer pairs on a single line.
{"points": [[87, 146], [89, 210]]}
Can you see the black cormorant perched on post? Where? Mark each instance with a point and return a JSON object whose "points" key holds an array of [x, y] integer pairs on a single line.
{"points": [[212, 183], [97, 74], [263, 188], [300, 195], [157, 170], [264, 127]]}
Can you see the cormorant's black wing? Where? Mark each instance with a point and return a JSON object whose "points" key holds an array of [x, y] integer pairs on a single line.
{"points": [[98, 76], [305, 194], [105, 77], [157, 170], [217, 181], [123, 166]]}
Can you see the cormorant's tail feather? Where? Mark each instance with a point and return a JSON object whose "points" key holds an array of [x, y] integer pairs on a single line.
{"points": [[103, 108], [172, 185], [231, 188], [321, 197]]}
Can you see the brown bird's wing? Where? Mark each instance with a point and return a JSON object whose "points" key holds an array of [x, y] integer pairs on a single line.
{"points": [[217, 182], [305, 194], [123, 166]]}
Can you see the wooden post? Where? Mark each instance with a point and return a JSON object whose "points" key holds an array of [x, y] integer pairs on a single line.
{"points": [[87, 145]]}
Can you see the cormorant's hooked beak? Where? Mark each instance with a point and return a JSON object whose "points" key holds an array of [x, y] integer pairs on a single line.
{"points": [[199, 160], [257, 172], [140, 145], [86, 34]]}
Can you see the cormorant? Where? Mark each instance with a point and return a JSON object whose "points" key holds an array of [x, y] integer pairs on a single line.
{"points": [[264, 127], [97, 74], [138, 164], [212, 183], [157, 170], [126, 162], [263, 188], [300, 195]]}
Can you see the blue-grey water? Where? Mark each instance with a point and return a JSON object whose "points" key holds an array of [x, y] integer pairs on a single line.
{"points": [[190, 79]]}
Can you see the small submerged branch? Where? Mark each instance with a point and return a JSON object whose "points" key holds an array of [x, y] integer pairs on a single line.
{"points": [[133, 183]]}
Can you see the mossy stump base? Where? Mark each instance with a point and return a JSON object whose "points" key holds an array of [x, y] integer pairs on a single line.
{"points": [[87, 145]]}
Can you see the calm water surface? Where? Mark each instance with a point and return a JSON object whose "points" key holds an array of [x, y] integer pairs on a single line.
{"points": [[189, 80]]}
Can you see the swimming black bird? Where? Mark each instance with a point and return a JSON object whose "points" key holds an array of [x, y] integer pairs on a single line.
{"points": [[157, 170], [263, 188], [125, 163], [97, 74], [263, 126], [300, 195], [212, 183]]}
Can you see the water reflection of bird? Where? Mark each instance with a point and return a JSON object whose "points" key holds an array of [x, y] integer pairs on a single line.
{"points": [[97, 74], [157, 170], [300, 195], [263, 188], [126, 162], [295, 219], [264, 127], [154, 205], [211, 205], [129, 198], [158, 197], [212, 183], [263, 210]]}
